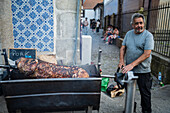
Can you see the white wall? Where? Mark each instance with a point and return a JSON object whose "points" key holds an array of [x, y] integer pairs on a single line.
{"points": [[110, 7], [106, 1], [89, 13], [97, 13]]}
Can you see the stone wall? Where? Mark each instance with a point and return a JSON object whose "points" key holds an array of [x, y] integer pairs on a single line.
{"points": [[159, 64], [65, 17], [6, 32], [119, 42]]}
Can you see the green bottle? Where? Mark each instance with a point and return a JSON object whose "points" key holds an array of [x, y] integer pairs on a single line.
{"points": [[161, 84]]}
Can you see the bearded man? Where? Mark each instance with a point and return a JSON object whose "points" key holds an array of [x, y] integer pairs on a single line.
{"points": [[137, 45]]}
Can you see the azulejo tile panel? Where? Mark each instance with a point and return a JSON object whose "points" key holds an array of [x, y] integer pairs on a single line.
{"points": [[33, 24]]}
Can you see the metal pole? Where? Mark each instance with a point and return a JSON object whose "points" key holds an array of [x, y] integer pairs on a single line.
{"points": [[99, 58], [77, 21], [130, 92], [120, 15], [6, 62], [103, 16], [148, 16]]}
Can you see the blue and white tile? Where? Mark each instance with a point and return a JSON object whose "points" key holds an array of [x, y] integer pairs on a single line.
{"points": [[33, 24]]}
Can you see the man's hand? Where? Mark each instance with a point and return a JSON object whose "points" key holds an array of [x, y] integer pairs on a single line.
{"points": [[143, 57], [121, 64], [127, 68]]}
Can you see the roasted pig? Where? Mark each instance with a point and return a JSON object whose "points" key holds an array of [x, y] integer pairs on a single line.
{"points": [[39, 69]]}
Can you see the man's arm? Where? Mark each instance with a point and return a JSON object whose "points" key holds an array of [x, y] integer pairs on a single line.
{"points": [[143, 57], [122, 54]]}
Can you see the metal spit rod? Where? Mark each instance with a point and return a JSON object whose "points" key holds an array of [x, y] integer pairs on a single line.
{"points": [[99, 58], [4, 53]]}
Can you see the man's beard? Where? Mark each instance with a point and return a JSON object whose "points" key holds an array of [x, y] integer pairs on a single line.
{"points": [[139, 30]]}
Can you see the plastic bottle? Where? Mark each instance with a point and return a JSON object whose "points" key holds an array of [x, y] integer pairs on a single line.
{"points": [[160, 79], [161, 84]]}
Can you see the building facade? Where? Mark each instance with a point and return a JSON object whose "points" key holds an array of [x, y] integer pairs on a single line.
{"points": [[46, 25]]}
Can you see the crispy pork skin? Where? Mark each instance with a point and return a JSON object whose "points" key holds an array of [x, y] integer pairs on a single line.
{"points": [[26, 65], [40, 69]]}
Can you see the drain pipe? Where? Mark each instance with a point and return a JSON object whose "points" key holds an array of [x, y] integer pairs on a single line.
{"points": [[148, 16], [77, 21]]}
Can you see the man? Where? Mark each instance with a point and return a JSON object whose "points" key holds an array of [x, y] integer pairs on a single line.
{"points": [[97, 26], [137, 45], [93, 25], [85, 26]]}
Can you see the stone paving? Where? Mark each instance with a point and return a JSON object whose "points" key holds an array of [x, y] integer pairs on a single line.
{"points": [[109, 62]]}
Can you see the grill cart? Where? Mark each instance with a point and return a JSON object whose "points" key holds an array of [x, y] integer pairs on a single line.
{"points": [[60, 94]]}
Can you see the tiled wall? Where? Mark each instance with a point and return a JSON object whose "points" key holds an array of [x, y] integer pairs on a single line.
{"points": [[33, 24]]}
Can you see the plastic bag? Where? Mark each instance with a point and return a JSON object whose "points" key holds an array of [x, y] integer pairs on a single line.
{"points": [[104, 84]]}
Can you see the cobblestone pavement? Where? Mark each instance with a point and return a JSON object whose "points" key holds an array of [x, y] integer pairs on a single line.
{"points": [[109, 62]]}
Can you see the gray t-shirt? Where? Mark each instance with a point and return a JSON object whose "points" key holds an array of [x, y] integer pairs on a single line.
{"points": [[135, 46]]}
